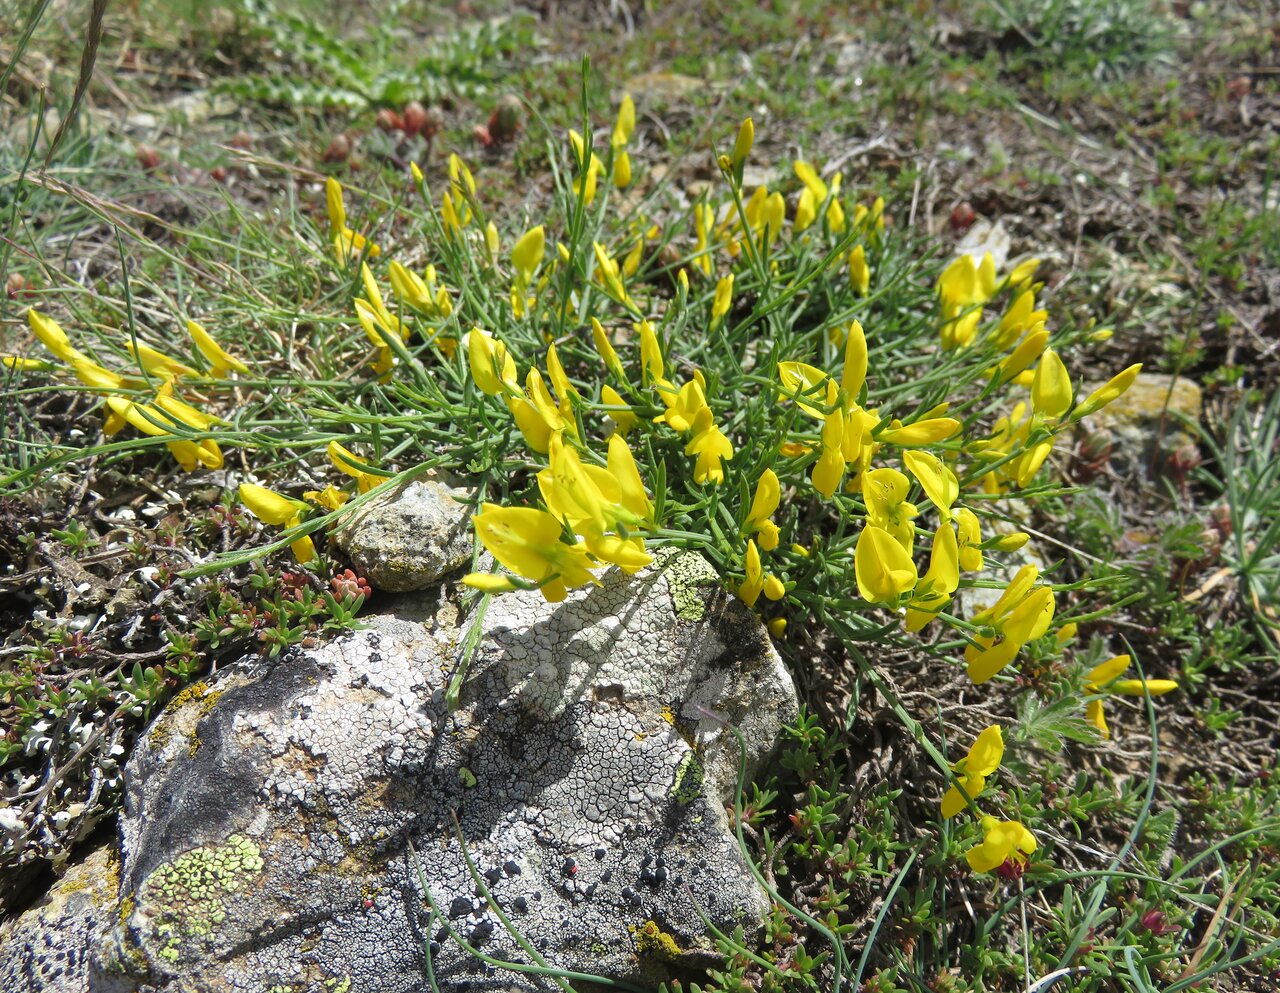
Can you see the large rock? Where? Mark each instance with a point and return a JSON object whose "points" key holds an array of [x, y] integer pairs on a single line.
{"points": [[1144, 433], [410, 537], [272, 819]]}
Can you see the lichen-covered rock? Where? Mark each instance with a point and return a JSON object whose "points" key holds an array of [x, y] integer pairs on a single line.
{"points": [[47, 948], [293, 826], [1143, 433], [409, 538]]}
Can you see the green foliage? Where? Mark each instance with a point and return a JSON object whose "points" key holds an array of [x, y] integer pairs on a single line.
{"points": [[1105, 38], [318, 70]]}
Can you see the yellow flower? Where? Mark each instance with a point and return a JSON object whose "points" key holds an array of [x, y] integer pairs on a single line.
{"points": [[703, 219], [1107, 393], [412, 289], [605, 349], [528, 252], [767, 497], [22, 364], [96, 377], [1051, 388], [271, 508], [492, 367], [330, 498], [829, 469], [158, 420], [527, 541], [1104, 678], [753, 582], [806, 211], [492, 243], [490, 582], [923, 432], [985, 755], [1022, 613], [220, 361], [1003, 841], [859, 271], [347, 462], [1020, 317], [53, 337], [609, 276], [623, 418], [775, 215], [938, 482], [585, 185], [682, 406], [632, 495], [933, 591], [1028, 350], [622, 130], [347, 244], [884, 491], [883, 569], [711, 447], [464, 188], [651, 367], [723, 300], [156, 363], [809, 387]]}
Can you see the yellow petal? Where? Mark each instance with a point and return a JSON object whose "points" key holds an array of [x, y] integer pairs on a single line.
{"points": [[1141, 687], [1093, 713], [985, 662], [923, 432], [767, 496], [810, 385], [218, 358], [489, 582], [1051, 387], [269, 506], [528, 252], [855, 363], [986, 752], [882, 567], [1107, 393], [1104, 672], [492, 367]]}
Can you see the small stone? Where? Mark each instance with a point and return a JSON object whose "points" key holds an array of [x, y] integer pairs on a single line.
{"points": [[407, 539]]}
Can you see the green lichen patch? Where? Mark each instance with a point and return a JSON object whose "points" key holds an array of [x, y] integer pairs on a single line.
{"points": [[189, 893], [688, 576], [688, 781]]}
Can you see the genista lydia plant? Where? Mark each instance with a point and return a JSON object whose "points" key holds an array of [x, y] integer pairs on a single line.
{"points": [[775, 378]]}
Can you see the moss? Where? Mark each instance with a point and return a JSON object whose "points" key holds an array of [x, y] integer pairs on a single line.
{"points": [[189, 893], [654, 942]]}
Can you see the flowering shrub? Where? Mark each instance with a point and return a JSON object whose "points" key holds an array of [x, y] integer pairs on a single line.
{"points": [[776, 380]]}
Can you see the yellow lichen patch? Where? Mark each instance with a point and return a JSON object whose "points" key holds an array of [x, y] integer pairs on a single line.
{"points": [[169, 722], [668, 715], [652, 941]]}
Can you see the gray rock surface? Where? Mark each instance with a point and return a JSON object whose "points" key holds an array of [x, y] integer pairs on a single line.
{"points": [[409, 538], [271, 817], [48, 947]]}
